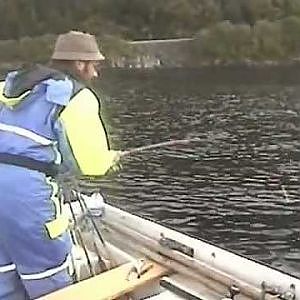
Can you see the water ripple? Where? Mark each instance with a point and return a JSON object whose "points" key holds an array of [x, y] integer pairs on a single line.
{"points": [[237, 187]]}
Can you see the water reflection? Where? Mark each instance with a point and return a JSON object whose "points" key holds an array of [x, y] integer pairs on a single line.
{"points": [[237, 187]]}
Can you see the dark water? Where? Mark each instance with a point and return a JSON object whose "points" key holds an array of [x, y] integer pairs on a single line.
{"points": [[238, 187]]}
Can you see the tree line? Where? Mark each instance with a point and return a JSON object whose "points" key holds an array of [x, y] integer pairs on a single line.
{"points": [[265, 40], [224, 29], [135, 19]]}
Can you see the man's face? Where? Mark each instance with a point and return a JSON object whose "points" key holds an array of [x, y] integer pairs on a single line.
{"points": [[87, 69]]}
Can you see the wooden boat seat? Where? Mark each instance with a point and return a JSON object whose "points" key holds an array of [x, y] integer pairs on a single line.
{"points": [[110, 284]]}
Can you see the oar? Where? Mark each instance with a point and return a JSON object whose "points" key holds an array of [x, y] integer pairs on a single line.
{"points": [[158, 145]]}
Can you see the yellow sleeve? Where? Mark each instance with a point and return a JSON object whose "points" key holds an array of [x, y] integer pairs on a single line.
{"points": [[87, 135]]}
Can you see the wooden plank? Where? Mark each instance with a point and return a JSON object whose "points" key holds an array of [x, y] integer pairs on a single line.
{"points": [[108, 285]]}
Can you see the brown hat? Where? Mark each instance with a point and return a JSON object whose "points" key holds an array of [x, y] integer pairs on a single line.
{"points": [[76, 45]]}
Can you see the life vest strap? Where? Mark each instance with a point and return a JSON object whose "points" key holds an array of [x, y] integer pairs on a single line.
{"points": [[50, 169]]}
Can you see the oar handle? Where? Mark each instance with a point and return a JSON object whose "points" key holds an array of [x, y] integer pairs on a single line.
{"points": [[158, 145]]}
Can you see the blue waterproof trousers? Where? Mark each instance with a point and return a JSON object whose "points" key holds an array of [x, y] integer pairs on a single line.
{"points": [[33, 262]]}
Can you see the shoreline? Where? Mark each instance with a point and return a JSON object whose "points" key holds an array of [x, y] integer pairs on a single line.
{"points": [[204, 65]]}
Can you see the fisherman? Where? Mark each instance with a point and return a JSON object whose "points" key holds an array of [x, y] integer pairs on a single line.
{"points": [[49, 121]]}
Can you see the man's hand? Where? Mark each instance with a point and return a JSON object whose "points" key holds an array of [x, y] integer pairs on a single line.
{"points": [[116, 166]]}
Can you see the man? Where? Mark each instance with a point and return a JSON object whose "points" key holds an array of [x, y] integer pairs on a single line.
{"points": [[48, 118]]}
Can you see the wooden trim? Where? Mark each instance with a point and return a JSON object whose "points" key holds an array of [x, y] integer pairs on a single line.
{"points": [[108, 285]]}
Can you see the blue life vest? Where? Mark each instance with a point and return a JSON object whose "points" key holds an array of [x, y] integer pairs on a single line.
{"points": [[31, 127]]}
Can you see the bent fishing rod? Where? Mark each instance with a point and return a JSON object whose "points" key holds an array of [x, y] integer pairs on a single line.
{"points": [[158, 145], [85, 210]]}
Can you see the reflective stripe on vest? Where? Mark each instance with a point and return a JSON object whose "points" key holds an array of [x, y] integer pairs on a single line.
{"points": [[27, 134], [49, 272], [61, 222], [7, 268]]}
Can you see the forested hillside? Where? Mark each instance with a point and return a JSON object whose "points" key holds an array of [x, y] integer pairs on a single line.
{"points": [[135, 19], [224, 29]]}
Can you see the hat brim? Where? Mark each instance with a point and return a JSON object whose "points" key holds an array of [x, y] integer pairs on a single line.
{"points": [[95, 56]]}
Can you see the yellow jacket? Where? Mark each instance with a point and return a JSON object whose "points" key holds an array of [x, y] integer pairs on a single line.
{"points": [[86, 134]]}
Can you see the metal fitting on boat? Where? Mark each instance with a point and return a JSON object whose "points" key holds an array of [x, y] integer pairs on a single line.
{"points": [[290, 294], [275, 291], [233, 291], [139, 268], [267, 289], [174, 245]]}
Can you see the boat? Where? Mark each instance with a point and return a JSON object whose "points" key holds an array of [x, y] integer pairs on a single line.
{"points": [[118, 255]]}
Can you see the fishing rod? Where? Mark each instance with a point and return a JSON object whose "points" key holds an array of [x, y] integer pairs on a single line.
{"points": [[82, 215], [159, 145], [75, 235], [85, 208]]}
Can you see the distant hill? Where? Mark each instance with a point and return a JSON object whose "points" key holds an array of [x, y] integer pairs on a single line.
{"points": [[224, 30], [135, 19]]}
